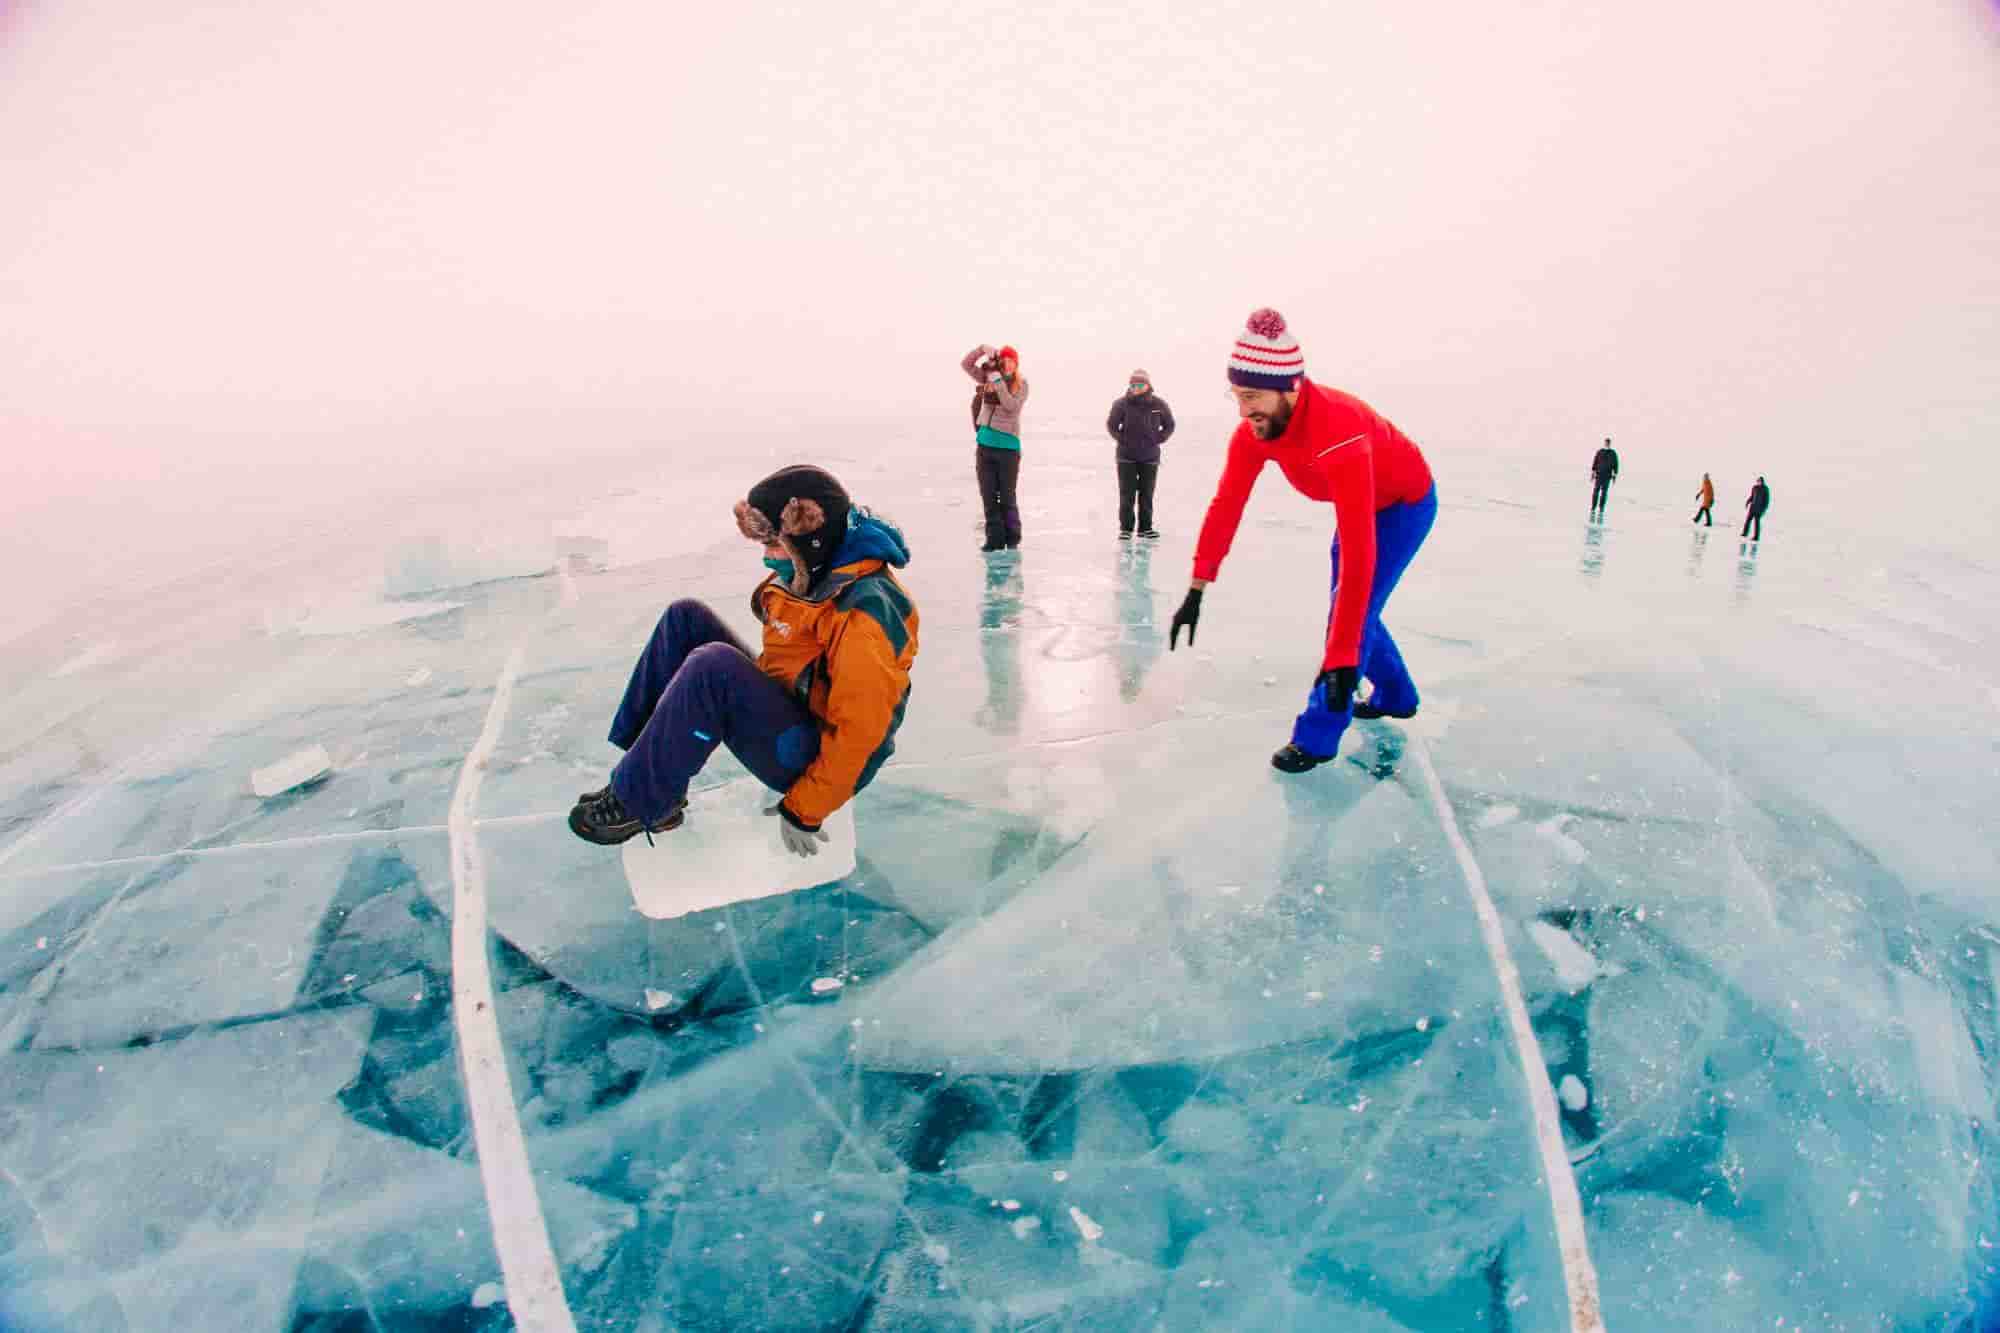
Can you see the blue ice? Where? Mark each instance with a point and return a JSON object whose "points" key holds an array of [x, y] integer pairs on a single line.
{"points": [[1131, 1032]]}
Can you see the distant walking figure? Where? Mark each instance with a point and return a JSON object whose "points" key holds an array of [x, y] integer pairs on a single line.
{"points": [[1707, 497], [1603, 471], [1753, 511]]}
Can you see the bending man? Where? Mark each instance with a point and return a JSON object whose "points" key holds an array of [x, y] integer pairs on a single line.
{"points": [[1332, 447]]}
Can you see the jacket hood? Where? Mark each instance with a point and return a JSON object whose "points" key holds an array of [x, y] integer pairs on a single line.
{"points": [[872, 537]]}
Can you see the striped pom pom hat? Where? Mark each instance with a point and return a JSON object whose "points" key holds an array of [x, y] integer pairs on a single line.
{"points": [[1266, 356]]}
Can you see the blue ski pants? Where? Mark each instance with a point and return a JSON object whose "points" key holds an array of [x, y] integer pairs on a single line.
{"points": [[1399, 531]]}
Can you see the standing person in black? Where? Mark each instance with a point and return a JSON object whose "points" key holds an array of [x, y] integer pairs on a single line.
{"points": [[1141, 422], [1603, 471], [1753, 511]]}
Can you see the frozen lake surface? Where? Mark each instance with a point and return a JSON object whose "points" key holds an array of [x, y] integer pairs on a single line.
{"points": [[1130, 1031]]}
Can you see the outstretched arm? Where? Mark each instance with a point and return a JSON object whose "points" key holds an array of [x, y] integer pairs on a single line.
{"points": [[1225, 511], [1350, 473], [970, 365]]}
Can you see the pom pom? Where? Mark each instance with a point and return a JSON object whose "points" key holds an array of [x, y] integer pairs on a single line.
{"points": [[1266, 323]]}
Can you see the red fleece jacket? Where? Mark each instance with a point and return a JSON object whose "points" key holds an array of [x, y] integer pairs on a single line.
{"points": [[1338, 449]]}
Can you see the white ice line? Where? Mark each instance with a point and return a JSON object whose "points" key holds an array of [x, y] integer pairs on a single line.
{"points": [[520, 1235], [232, 849], [1579, 1276]]}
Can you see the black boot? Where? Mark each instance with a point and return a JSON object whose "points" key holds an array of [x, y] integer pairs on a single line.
{"points": [[1292, 759], [1365, 709], [605, 820]]}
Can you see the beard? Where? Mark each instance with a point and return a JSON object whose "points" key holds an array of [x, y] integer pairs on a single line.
{"points": [[1272, 426]]}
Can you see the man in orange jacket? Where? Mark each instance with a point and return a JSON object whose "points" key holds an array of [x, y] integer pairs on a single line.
{"points": [[813, 715]]}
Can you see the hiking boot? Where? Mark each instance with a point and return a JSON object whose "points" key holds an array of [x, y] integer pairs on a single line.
{"points": [[586, 797], [1124, 534], [1150, 534], [605, 820], [1366, 709], [1292, 759]]}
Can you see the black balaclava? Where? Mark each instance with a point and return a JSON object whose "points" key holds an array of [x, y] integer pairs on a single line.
{"points": [[808, 507]]}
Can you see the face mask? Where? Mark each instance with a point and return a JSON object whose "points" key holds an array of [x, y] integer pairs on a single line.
{"points": [[782, 568]]}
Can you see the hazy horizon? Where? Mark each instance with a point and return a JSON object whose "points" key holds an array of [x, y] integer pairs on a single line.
{"points": [[281, 260]]}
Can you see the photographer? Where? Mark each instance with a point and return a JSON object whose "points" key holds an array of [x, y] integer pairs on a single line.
{"points": [[996, 417], [1141, 422]]}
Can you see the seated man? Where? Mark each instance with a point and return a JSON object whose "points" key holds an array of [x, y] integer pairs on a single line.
{"points": [[814, 715]]}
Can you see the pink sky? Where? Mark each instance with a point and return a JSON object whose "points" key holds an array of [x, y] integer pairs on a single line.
{"points": [[273, 256]]}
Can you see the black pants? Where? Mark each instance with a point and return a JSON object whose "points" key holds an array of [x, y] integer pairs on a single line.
{"points": [[1135, 482], [1753, 526], [1702, 515], [1600, 491], [999, 473]]}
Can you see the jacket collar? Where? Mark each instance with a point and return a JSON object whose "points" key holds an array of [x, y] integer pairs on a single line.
{"points": [[832, 583]]}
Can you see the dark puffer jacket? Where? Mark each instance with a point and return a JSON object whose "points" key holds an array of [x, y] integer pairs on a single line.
{"points": [[1141, 423]]}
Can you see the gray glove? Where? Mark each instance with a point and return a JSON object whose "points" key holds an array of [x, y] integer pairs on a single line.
{"points": [[798, 839]]}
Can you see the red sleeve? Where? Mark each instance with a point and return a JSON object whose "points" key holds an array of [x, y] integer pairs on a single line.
{"points": [[1350, 474], [1225, 511]]}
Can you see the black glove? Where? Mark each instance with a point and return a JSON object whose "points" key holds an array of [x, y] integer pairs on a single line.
{"points": [[1188, 615], [1336, 687]]}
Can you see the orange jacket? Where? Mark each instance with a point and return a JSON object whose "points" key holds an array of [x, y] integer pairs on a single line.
{"points": [[1707, 493], [846, 647]]}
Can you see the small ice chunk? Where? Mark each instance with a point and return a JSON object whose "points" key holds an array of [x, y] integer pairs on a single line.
{"points": [[1574, 1095], [292, 771], [1497, 815], [1270, 680], [826, 985], [1026, 1226], [818, 1218], [1423, 1025], [1090, 1230], [486, 1294], [1320, 889], [1011, 1205], [421, 676], [41, 941], [938, 1252], [1059, 1176], [1229, 890], [658, 999], [1571, 850], [1575, 966]]}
